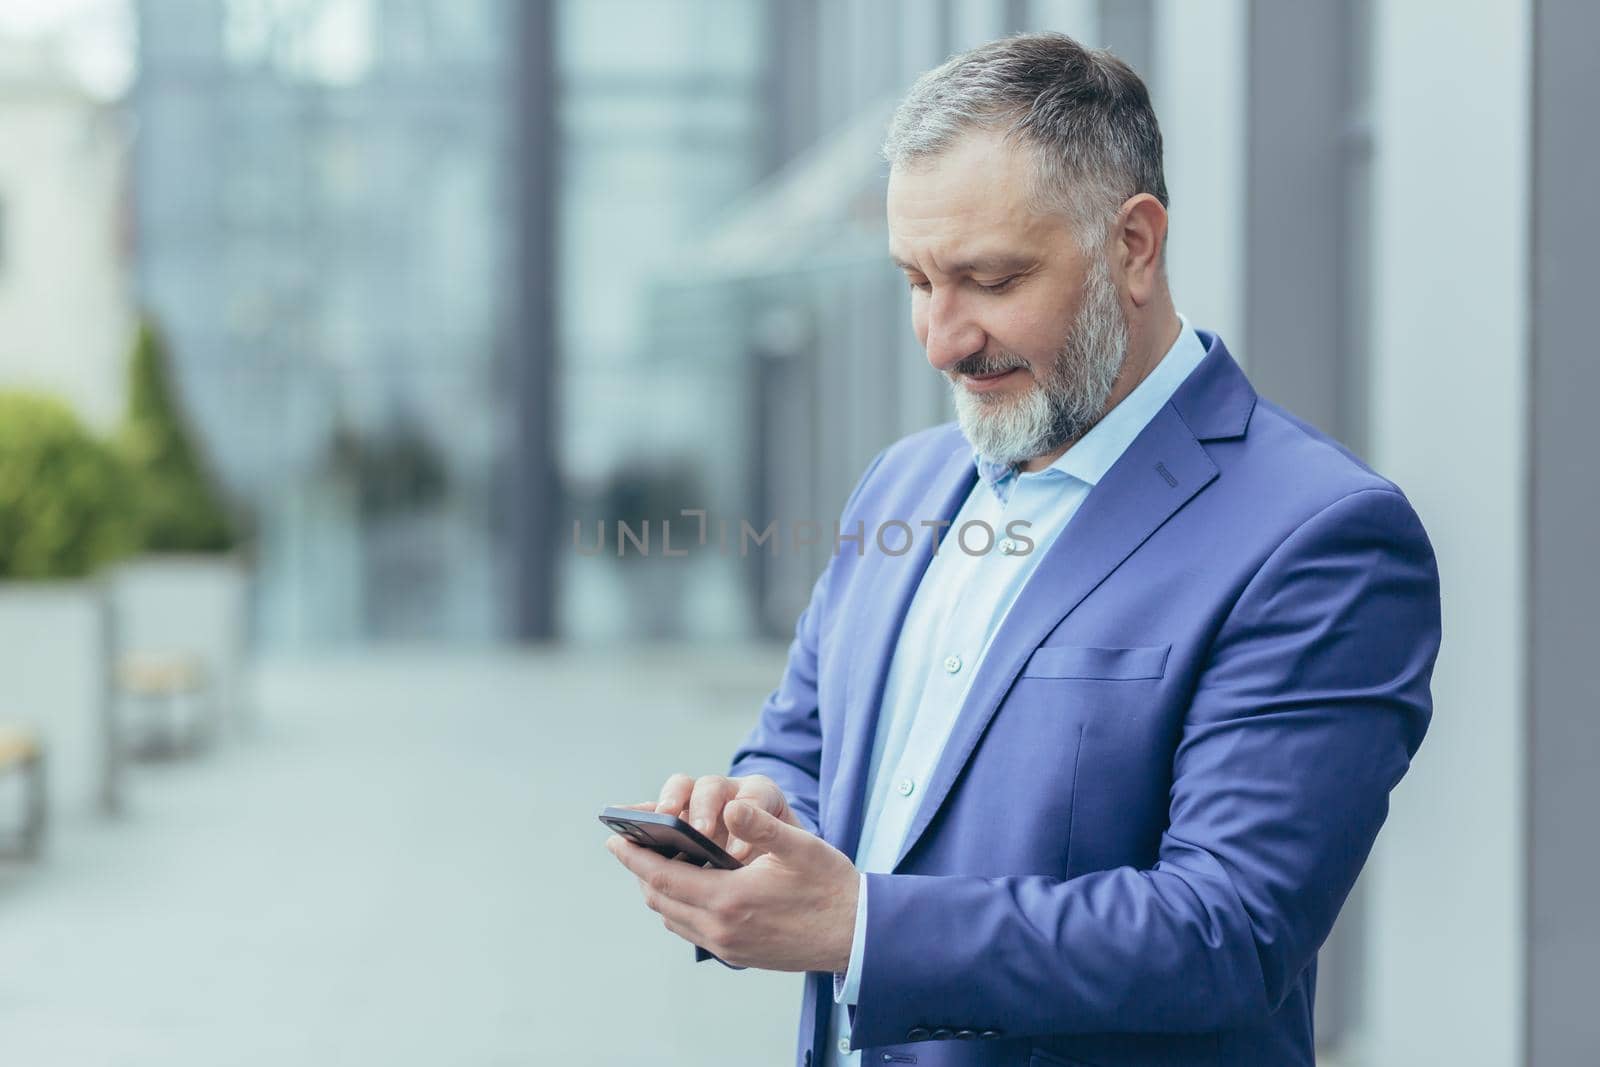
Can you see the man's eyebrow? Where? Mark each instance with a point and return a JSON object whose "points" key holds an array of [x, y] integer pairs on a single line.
{"points": [[988, 264]]}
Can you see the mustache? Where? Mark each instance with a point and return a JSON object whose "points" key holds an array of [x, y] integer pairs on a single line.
{"points": [[978, 364]]}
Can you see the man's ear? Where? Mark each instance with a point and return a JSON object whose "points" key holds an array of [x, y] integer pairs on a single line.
{"points": [[1141, 237]]}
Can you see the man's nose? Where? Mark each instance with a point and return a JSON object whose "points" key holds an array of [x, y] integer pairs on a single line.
{"points": [[953, 335]]}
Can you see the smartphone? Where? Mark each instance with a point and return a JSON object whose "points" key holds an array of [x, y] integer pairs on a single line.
{"points": [[668, 835]]}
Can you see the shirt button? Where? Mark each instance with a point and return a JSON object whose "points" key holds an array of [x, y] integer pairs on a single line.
{"points": [[844, 1046], [1008, 547], [906, 786], [952, 664]]}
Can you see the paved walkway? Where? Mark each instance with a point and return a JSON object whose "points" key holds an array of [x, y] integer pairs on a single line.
{"points": [[401, 867]]}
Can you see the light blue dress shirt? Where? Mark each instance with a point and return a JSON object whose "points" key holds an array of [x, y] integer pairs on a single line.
{"points": [[963, 598]]}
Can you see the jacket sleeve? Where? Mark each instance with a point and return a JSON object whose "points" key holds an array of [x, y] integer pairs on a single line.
{"points": [[786, 742], [1312, 701]]}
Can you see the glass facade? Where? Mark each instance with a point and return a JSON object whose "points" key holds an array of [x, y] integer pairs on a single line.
{"points": [[662, 126], [330, 197], [319, 186]]}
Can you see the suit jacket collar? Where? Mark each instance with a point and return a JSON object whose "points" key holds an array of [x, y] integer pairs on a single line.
{"points": [[1216, 400]]}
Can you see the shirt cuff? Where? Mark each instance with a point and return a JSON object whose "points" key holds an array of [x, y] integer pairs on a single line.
{"points": [[847, 986]]}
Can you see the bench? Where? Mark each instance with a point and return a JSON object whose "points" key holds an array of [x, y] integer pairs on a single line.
{"points": [[21, 752], [166, 684]]}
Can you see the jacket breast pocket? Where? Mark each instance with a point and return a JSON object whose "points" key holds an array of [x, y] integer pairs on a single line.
{"points": [[1106, 664]]}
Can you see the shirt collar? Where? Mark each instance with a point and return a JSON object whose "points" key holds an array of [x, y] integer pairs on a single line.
{"points": [[1093, 454]]}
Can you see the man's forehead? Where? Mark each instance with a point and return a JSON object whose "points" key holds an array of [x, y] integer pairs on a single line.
{"points": [[977, 195], [962, 214]]}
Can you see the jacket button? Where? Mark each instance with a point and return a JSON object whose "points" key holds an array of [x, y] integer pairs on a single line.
{"points": [[943, 1033], [989, 1034], [966, 1035], [917, 1033]]}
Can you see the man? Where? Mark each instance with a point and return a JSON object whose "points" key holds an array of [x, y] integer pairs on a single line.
{"points": [[1094, 794]]}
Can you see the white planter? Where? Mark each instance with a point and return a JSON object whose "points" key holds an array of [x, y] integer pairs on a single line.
{"points": [[54, 664], [186, 606]]}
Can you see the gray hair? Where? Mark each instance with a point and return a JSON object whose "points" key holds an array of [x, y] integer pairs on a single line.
{"points": [[1084, 114]]}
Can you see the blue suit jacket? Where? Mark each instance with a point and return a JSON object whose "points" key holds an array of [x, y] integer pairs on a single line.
{"points": [[1169, 768]]}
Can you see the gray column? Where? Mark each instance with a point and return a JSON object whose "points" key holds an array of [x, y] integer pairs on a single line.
{"points": [[1564, 529], [531, 487], [1127, 29], [1301, 137], [793, 66]]}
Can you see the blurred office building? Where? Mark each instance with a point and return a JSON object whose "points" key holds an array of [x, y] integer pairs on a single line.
{"points": [[455, 287], [321, 191], [391, 241]]}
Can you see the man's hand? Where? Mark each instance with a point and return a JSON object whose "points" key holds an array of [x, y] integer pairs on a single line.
{"points": [[701, 801], [793, 908]]}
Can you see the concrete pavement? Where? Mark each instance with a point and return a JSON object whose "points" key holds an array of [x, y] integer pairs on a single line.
{"points": [[401, 867]]}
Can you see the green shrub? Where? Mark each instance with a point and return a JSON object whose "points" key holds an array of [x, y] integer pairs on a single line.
{"points": [[177, 507], [64, 495]]}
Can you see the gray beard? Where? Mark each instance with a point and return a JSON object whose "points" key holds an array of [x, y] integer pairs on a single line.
{"points": [[1070, 394]]}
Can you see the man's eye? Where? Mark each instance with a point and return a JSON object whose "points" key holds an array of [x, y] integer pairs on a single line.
{"points": [[997, 287]]}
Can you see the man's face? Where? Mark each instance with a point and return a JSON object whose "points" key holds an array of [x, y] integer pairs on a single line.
{"points": [[1028, 330]]}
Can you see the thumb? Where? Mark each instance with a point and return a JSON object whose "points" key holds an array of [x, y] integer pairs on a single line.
{"points": [[756, 825]]}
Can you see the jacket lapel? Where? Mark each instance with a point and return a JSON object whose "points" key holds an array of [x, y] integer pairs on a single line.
{"points": [[1160, 472], [893, 581]]}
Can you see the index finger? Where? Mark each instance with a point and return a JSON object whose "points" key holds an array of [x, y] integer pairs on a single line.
{"points": [[675, 794], [711, 795]]}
